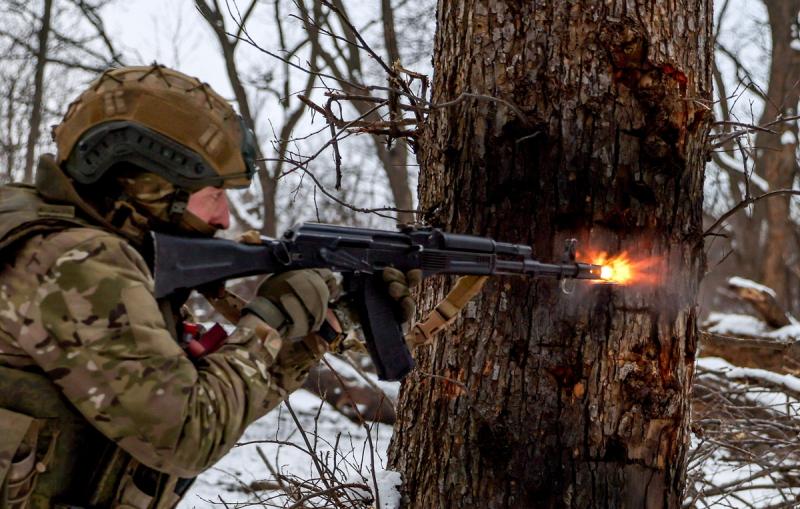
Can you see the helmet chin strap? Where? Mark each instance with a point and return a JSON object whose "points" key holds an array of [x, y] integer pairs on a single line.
{"points": [[127, 221], [186, 222], [178, 205]]}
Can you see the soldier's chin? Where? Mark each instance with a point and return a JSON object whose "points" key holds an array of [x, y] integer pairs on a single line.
{"points": [[192, 225]]}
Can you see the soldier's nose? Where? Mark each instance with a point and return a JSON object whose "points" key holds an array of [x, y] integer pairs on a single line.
{"points": [[210, 204]]}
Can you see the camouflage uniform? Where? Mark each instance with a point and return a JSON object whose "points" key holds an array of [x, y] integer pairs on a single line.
{"points": [[77, 304], [99, 405]]}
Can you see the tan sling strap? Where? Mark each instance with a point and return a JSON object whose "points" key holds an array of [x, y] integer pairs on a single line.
{"points": [[445, 311], [224, 302]]}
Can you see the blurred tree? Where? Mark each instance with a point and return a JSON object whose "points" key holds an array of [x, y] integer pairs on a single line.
{"points": [[38, 89], [328, 48], [761, 244], [345, 63], [229, 39], [586, 119], [46, 48], [777, 153]]}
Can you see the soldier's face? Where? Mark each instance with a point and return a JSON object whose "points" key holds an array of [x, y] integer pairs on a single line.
{"points": [[211, 206]]}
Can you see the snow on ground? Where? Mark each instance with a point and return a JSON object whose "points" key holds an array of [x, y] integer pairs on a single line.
{"points": [[747, 473], [389, 489], [236, 478], [391, 389]]}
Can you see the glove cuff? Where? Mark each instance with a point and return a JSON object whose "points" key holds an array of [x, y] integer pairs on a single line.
{"points": [[268, 312]]}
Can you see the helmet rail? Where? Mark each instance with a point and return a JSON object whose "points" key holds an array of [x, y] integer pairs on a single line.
{"points": [[112, 143]]}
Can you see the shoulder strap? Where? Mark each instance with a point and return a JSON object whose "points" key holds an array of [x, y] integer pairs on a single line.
{"points": [[24, 213]]}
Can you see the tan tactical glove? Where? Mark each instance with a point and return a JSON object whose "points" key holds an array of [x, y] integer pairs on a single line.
{"points": [[399, 288], [295, 302]]}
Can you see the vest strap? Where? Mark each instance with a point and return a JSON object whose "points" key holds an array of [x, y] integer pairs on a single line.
{"points": [[16, 427]]}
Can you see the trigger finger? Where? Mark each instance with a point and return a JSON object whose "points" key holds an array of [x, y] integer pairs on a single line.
{"points": [[390, 274], [409, 308], [414, 277], [398, 290]]}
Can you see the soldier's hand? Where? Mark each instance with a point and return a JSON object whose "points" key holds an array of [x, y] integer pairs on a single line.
{"points": [[399, 286], [295, 302]]}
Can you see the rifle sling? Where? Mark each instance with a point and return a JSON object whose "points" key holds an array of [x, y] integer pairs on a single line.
{"points": [[446, 311]]}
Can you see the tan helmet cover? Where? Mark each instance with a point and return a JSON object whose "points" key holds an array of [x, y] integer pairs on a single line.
{"points": [[172, 104]]}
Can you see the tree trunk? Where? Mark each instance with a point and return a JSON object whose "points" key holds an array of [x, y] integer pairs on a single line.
{"points": [[269, 188], [395, 163], [269, 184], [557, 400], [38, 92], [776, 159], [395, 159]]}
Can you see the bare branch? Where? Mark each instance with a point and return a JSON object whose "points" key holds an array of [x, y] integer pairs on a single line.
{"points": [[749, 200]]}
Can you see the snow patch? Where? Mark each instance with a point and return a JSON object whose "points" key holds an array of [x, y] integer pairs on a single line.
{"points": [[721, 366], [788, 137], [241, 478], [789, 332], [389, 483], [741, 282], [736, 324], [391, 389]]}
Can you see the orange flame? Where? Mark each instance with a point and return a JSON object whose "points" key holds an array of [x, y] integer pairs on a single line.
{"points": [[623, 270]]}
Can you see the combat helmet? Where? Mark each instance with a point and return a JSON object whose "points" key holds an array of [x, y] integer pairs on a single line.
{"points": [[161, 121]]}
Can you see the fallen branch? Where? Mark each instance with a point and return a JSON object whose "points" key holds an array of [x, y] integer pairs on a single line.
{"points": [[762, 299], [352, 398], [773, 354]]}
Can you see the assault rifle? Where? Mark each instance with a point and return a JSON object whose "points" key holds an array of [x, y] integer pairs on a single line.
{"points": [[360, 254]]}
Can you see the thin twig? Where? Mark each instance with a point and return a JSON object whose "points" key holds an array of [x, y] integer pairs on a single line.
{"points": [[749, 200], [328, 491], [320, 469]]}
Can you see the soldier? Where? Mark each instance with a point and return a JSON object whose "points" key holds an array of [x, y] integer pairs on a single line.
{"points": [[99, 406]]}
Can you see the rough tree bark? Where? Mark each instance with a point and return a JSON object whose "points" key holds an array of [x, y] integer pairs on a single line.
{"points": [[776, 159], [573, 401]]}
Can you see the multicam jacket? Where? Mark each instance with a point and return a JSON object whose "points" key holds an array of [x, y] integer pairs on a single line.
{"points": [[77, 306]]}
